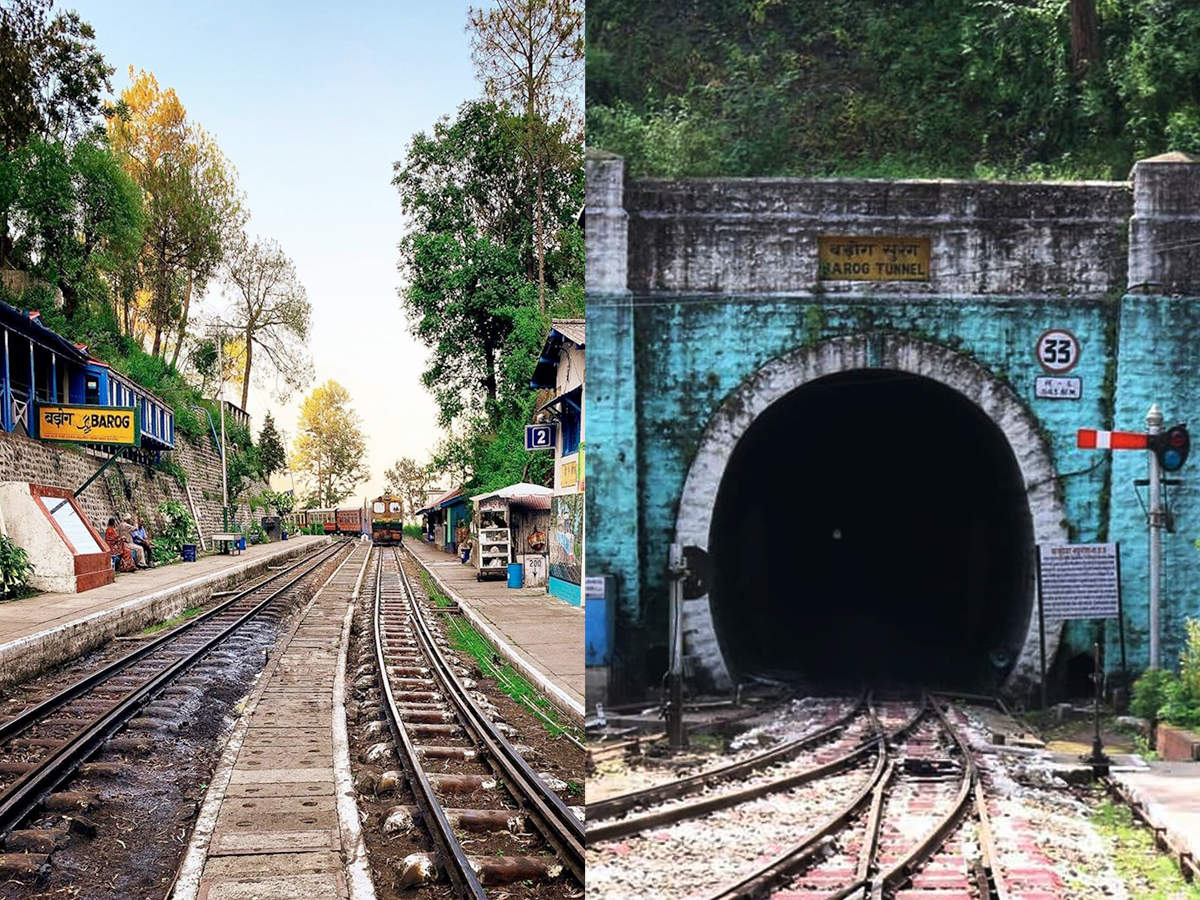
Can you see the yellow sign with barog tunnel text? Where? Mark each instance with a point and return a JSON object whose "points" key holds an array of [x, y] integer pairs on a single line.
{"points": [[117, 425], [873, 258]]}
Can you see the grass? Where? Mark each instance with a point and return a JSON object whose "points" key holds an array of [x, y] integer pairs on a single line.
{"points": [[434, 592], [712, 743], [176, 620], [464, 637], [1148, 874]]}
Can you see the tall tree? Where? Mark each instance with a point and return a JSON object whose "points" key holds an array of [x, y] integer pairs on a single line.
{"points": [[51, 74], [193, 206], [76, 216], [270, 310], [1085, 35], [329, 453], [464, 190], [51, 81], [272, 457], [530, 53], [411, 481]]}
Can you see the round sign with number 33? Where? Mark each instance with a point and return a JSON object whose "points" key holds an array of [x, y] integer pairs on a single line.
{"points": [[1057, 351]]}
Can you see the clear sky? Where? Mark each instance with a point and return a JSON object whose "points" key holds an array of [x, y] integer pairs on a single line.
{"points": [[313, 102]]}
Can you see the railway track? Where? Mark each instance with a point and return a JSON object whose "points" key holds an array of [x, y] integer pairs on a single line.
{"points": [[45, 744], [836, 744], [888, 800], [466, 777]]}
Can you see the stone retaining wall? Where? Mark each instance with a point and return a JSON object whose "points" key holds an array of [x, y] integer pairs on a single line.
{"points": [[126, 486], [27, 657]]}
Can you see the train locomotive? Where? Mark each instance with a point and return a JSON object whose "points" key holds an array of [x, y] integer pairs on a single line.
{"points": [[387, 519]]}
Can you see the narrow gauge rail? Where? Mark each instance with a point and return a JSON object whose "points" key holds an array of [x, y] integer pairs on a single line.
{"points": [[936, 762], [405, 649], [659, 794], [45, 743]]}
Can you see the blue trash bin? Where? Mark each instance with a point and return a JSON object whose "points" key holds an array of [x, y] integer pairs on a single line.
{"points": [[189, 552], [516, 575], [242, 542]]}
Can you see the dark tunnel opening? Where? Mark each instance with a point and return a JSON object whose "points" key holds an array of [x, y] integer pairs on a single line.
{"points": [[872, 526]]}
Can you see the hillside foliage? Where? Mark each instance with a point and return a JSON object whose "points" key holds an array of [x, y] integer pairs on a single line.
{"points": [[944, 88]]}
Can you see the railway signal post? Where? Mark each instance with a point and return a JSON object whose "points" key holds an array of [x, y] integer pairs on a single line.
{"points": [[1154, 422], [1168, 453], [676, 732]]}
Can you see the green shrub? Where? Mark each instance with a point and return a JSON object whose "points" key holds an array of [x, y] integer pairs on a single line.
{"points": [[1162, 696], [255, 534], [415, 532], [179, 528], [15, 569], [170, 467], [1150, 693], [283, 501]]}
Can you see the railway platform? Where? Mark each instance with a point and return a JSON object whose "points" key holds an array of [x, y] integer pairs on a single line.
{"points": [[279, 819], [41, 631], [1168, 794], [536, 633]]}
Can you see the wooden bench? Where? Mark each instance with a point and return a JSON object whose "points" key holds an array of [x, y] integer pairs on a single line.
{"points": [[230, 538]]}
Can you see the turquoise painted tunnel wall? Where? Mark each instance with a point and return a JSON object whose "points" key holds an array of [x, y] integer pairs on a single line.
{"points": [[665, 357]]}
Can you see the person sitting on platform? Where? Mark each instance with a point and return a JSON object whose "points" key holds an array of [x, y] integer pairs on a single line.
{"points": [[142, 539], [119, 548], [125, 529]]}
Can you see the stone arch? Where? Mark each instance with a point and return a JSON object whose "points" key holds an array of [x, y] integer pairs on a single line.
{"points": [[784, 374]]}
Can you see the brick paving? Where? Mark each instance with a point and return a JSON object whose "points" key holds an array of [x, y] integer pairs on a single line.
{"points": [[270, 824]]}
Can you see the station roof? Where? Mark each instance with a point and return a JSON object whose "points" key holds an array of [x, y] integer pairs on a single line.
{"points": [[29, 324], [531, 496], [447, 499], [121, 376], [571, 330]]}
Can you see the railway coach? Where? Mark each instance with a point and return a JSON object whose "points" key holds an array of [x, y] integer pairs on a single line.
{"points": [[351, 520]]}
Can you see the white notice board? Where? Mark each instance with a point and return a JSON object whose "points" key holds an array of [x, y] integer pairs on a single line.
{"points": [[1079, 581]]}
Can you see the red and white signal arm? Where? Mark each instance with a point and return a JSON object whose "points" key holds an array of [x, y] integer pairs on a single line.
{"points": [[1057, 351]]}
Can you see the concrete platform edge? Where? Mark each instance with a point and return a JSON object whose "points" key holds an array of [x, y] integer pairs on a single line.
{"points": [[1159, 817], [356, 863], [28, 656], [556, 695]]}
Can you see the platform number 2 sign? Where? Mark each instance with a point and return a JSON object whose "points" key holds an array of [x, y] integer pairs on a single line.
{"points": [[1058, 351], [539, 437]]}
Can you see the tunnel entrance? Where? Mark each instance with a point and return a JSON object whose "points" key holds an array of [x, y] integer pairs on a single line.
{"points": [[872, 526]]}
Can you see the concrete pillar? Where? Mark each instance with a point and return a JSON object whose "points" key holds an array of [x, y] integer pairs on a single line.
{"points": [[1164, 233], [607, 224], [613, 525]]}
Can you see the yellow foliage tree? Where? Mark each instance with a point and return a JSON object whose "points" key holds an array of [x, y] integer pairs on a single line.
{"points": [[193, 205], [329, 452]]}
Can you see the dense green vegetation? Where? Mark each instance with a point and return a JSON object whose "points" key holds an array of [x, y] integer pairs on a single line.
{"points": [[1147, 873], [946, 88], [1161, 695], [15, 570], [494, 251], [472, 295]]}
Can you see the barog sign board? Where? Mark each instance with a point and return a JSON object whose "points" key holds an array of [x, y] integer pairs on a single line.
{"points": [[1079, 581], [118, 425], [873, 258]]}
